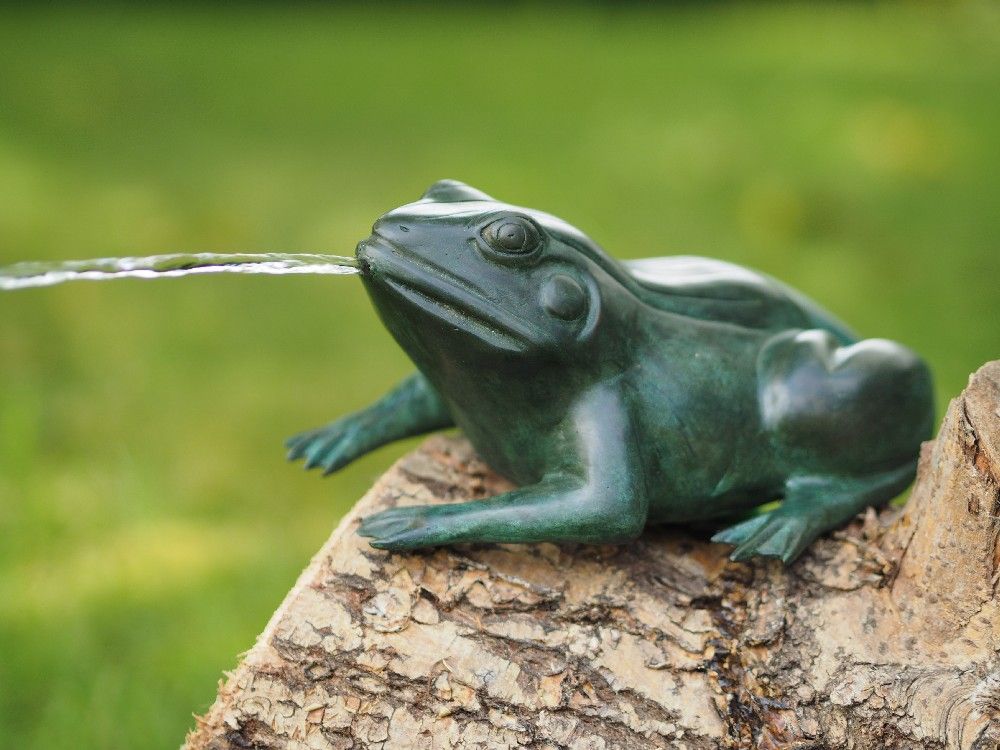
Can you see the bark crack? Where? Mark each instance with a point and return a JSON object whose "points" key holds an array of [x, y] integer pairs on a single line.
{"points": [[883, 635]]}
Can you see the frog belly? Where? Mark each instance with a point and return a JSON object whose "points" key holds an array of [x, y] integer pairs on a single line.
{"points": [[706, 452], [737, 472]]}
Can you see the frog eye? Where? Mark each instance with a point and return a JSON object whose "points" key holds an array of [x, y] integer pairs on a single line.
{"points": [[512, 234]]}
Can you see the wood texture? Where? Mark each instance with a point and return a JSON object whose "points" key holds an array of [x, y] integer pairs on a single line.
{"points": [[883, 635]]}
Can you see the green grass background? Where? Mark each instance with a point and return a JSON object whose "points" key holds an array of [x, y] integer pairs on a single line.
{"points": [[148, 522]]}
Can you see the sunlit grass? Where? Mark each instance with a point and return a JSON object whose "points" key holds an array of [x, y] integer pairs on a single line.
{"points": [[144, 562], [149, 523]]}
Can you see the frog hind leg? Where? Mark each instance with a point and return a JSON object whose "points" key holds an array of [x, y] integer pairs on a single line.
{"points": [[846, 423], [812, 506]]}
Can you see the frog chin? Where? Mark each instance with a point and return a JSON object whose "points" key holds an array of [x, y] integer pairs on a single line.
{"points": [[472, 321]]}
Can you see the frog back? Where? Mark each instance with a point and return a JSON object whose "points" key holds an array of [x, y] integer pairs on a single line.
{"points": [[715, 290]]}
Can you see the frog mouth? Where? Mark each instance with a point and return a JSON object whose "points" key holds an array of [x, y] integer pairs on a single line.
{"points": [[438, 293]]}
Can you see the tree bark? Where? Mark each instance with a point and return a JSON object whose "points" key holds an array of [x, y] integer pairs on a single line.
{"points": [[885, 634]]}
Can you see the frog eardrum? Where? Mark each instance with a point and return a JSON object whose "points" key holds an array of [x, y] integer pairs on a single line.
{"points": [[620, 394]]}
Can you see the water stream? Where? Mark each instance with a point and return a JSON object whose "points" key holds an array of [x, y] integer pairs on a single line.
{"points": [[32, 274]]}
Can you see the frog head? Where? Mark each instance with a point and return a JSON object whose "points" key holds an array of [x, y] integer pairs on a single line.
{"points": [[458, 272]]}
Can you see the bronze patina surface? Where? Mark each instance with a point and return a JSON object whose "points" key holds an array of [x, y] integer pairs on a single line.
{"points": [[674, 389]]}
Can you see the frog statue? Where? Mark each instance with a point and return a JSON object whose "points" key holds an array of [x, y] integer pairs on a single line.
{"points": [[665, 390]]}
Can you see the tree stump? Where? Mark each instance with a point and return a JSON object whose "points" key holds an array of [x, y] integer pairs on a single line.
{"points": [[885, 634]]}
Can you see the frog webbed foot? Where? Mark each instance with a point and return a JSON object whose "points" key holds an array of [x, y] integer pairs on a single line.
{"points": [[406, 528], [411, 408], [773, 534], [331, 447]]}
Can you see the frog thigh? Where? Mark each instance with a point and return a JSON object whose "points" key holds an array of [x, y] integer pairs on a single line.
{"points": [[843, 410], [845, 422]]}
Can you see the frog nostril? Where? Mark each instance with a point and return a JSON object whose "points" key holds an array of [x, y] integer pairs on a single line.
{"points": [[361, 253], [403, 228]]}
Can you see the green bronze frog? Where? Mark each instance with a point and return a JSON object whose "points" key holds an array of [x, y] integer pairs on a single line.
{"points": [[616, 395]]}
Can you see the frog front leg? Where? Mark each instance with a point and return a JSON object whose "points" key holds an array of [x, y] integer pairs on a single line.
{"points": [[596, 494], [411, 408]]}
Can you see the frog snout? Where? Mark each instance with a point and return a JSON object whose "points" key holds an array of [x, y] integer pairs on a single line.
{"points": [[369, 253], [392, 229], [378, 254], [361, 253]]}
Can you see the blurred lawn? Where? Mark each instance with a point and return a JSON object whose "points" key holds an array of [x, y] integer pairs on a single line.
{"points": [[149, 523]]}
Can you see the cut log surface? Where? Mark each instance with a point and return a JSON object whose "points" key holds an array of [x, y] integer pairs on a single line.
{"points": [[885, 634]]}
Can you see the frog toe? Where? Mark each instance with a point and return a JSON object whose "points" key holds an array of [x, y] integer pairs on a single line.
{"points": [[775, 534], [330, 448], [336, 459], [787, 538], [413, 526], [390, 524], [321, 449], [403, 540], [308, 445], [740, 532], [299, 443]]}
